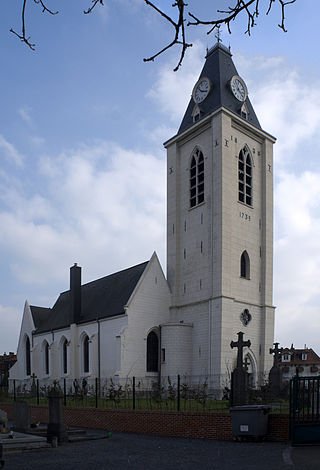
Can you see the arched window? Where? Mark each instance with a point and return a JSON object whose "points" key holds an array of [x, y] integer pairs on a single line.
{"points": [[85, 352], [46, 357], [196, 178], [245, 265], [245, 176], [152, 352], [28, 356], [65, 356]]}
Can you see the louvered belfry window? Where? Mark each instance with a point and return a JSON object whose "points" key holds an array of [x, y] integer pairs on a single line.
{"points": [[245, 177], [196, 178]]}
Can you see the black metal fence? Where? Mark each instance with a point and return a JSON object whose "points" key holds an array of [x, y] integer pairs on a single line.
{"points": [[305, 410], [178, 393]]}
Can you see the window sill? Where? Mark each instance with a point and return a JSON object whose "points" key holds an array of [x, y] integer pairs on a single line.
{"points": [[198, 205], [85, 375], [244, 204]]}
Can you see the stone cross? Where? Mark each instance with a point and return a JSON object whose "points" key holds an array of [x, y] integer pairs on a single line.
{"points": [[240, 344], [276, 351]]}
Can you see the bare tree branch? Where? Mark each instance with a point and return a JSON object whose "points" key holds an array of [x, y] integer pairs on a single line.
{"points": [[94, 2], [45, 8], [249, 8], [23, 36], [179, 31], [283, 6], [241, 6]]}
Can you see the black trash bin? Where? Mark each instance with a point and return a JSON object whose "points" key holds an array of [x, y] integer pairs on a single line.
{"points": [[250, 420]]}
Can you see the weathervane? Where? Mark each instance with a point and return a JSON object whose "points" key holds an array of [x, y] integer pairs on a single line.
{"points": [[218, 34]]}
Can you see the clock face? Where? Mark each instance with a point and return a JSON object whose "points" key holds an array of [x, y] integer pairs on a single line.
{"points": [[238, 88], [201, 90]]}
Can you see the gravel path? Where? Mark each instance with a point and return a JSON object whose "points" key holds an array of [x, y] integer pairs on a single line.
{"points": [[141, 452]]}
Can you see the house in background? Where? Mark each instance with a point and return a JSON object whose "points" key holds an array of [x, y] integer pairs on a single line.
{"points": [[304, 361], [6, 362]]}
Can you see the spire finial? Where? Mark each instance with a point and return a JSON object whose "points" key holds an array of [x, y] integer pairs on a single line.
{"points": [[218, 34]]}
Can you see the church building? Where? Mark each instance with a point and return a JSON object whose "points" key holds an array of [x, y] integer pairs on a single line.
{"points": [[137, 322]]}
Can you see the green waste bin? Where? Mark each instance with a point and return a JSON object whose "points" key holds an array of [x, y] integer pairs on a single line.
{"points": [[250, 420]]}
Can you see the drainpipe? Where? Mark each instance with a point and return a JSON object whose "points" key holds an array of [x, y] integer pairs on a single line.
{"points": [[159, 378], [99, 356]]}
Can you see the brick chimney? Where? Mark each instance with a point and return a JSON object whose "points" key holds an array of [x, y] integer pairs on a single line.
{"points": [[75, 293]]}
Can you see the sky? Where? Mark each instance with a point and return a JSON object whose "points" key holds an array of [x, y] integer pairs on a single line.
{"points": [[82, 165]]}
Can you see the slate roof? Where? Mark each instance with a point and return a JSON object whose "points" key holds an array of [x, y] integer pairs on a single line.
{"points": [[219, 68], [102, 298]]}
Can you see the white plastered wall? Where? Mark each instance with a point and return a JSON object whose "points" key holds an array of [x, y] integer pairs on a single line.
{"points": [[147, 308], [18, 370]]}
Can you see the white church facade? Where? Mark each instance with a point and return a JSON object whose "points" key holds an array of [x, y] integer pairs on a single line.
{"points": [[137, 322]]}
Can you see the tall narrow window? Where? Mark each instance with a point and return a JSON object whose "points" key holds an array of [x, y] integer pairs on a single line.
{"points": [[245, 265], [85, 346], [152, 352], [46, 357], [245, 177], [27, 356], [196, 178], [65, 356]]}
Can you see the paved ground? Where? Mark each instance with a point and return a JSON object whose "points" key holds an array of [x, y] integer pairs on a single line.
{"points": [[140, 452]]}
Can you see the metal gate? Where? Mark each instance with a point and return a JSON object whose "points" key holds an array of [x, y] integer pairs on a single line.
{"points": [[305, 410]]}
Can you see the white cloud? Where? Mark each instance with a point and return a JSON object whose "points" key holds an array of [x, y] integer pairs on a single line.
{"points": [[172, 91], [10, 318], [297, 258], [104, 208], [25, 114], [10, 152], [160, 134], [287, 102]]}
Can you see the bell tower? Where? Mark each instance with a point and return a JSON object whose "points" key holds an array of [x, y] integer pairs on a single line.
{"points": [[220, 222]]}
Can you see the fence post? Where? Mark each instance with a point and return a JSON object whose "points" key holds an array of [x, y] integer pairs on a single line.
{"points": [[38, 393], [96, 392], [64, 392], [178, 394], [133, 393], [14, 390]]}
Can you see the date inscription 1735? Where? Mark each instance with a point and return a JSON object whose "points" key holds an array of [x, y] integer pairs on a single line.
{"points": [[244, 216]]}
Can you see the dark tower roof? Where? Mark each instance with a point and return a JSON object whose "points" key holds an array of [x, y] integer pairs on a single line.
{"points": [[219, 68]]}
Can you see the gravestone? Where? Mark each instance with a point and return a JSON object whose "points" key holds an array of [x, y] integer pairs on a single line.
{"points": [[21, 416], [3, 421], [239, 377], [275, 374], [56, 429]]}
